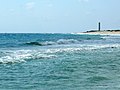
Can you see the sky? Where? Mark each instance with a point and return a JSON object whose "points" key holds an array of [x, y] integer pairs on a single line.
{"points": [[58, 16]]}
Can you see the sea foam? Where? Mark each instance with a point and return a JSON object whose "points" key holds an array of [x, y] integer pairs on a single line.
{"points": [[19, 56]]}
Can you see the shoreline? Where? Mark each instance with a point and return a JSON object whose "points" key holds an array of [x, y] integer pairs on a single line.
{"points": [[101, 32]]}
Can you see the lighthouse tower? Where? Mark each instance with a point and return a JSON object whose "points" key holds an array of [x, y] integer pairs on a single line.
{"points": [[99, 26]]}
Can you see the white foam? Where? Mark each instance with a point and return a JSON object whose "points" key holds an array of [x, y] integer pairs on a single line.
{"points": [[67, 41], [81, 48], [23, 56], [48, 43], [13, 56], [111, 37]]}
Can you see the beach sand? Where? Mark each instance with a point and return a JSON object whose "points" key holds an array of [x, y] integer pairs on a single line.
{"points": [[102, 32]]}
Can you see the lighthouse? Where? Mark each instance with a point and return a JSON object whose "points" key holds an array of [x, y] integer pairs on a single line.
{"points": [[99, 26]]}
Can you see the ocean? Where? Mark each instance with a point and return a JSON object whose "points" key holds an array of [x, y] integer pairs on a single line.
{"points": [[33, 61]]}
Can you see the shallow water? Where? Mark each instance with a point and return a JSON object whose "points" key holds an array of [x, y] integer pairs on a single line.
{"points": [[59, 62]]}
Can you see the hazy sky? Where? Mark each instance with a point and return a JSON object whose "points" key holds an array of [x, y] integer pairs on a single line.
{"points": [[58, 16]]}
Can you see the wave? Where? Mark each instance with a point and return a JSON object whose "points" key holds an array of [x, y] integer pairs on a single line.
{"points": [[19, 56], [111, 37], [59, 42]]}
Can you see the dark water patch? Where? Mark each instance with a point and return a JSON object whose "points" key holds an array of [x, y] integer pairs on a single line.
{"points": [[95, 79], [34, 43], [54, 77], [68, 70]]}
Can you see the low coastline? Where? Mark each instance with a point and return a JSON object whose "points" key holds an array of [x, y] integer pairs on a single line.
{"points": [[103, 32]]}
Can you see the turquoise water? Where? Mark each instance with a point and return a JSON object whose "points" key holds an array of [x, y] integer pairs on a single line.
{"points": [[59, 62]]}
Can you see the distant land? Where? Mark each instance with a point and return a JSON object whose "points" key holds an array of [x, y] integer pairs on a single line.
{"points": [[102, 32]]}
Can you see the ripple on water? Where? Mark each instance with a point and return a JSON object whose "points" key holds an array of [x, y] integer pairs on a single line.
{"points": [[95, 79]]}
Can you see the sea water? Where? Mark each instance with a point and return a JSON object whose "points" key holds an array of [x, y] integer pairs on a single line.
{"points": [[59, 62]]}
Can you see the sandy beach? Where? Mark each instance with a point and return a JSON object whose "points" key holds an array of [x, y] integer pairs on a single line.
{"points": [[102, 32]]}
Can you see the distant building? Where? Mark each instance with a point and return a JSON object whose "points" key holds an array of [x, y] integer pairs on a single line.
{"points": [[99, 26]]}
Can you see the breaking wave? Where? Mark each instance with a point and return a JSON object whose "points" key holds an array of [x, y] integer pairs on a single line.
{"points": [[111, 37], [22, 56], [18, 56], [59, 42]]}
